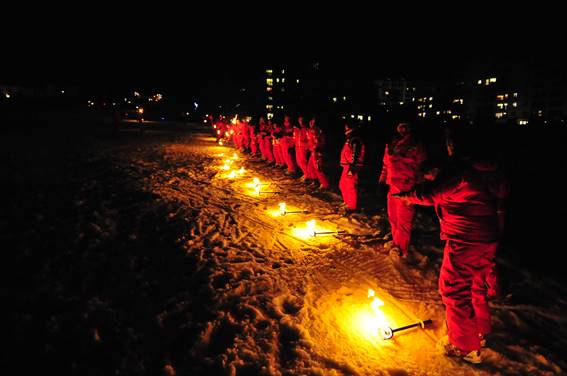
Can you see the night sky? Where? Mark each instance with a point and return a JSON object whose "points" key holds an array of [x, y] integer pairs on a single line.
{"points": [[181, 55]]}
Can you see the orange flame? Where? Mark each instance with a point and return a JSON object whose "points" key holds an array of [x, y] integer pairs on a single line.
{"points": [[282, 208]]}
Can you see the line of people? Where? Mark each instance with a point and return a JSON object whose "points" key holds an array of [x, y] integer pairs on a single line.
{"points": [[467, 192], [299, 148]]}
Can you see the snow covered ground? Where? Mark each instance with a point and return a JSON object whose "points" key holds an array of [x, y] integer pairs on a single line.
{"points": [[143, 257]]}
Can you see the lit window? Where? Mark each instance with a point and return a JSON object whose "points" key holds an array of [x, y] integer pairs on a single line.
{"points": [[335, 99], [515, 95], [430, 98], [269, 107], [270, 115], [283, 71], [515, 104], [456, 117], [352, 116], [344, 98], [500, 105], [401, 103], [430, 106], [283, 80], [493, 79], [479, 82], [269, 71], [438, 113], [270, 98], [297, 81], [277, 80], [369, 118], [269, 88], [360, 117], [500, 97], [270, 81], [386, 93]]}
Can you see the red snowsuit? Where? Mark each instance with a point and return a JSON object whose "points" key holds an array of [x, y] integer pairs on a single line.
{"points": [[287, 146], [401, 163], [266, 142], [315, 166], [301, 148], [254, 139], [467, 207], [352, 160], [276, 144]]}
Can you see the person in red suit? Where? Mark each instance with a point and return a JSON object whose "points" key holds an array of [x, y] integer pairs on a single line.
{"points": [[403, 157], [301, 146], [288, 146], [467, 204], [318, 143], [352, 161]]}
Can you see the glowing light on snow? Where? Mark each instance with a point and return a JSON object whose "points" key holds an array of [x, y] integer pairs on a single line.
{"points": [[367, 321], [283, 210], [378, 323], [256, 186], [235, 173], [311, 230]]}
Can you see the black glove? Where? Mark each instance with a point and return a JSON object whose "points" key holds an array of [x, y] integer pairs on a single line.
{"points": [[351, 169]]}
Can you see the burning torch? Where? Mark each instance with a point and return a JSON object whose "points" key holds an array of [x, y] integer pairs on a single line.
{"points": [[388, 332], [284, 211]]}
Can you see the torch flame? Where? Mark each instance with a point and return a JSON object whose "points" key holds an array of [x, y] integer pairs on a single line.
{"points": [[311, 227], [282, 208], [234, 156], [241, 171], [232, 174], [379, 323]]}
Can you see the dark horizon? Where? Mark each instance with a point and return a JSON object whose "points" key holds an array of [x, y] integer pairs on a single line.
{"points": [[187, 61]]}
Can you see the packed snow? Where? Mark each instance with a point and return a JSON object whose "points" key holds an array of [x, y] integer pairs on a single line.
{"points": [[156, 261]]}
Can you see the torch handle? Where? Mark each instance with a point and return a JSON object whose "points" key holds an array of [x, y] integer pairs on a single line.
{"points": [[421, 323]]}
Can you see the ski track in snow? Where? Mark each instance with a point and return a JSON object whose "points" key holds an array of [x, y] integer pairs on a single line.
{"points": [[281, 302]]}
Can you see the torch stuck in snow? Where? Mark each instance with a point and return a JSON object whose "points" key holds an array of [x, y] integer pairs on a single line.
{"points": [[338, 232], [388, 332], [284, 211]]}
